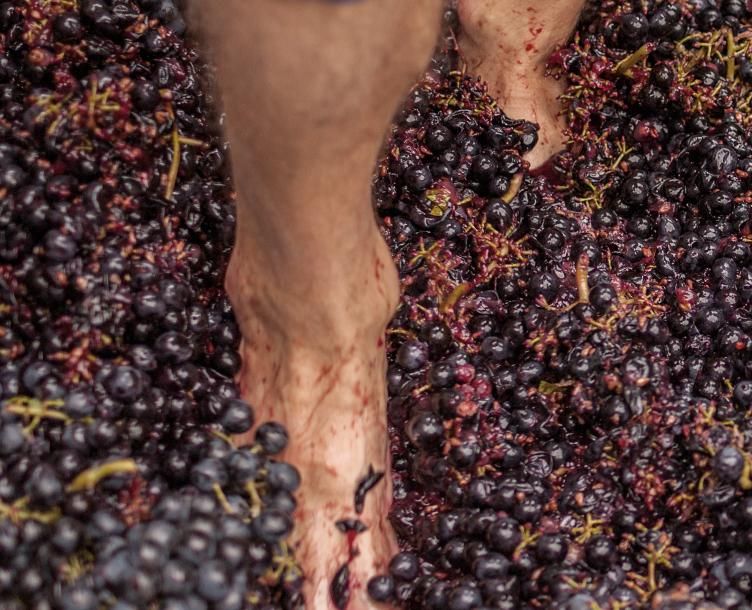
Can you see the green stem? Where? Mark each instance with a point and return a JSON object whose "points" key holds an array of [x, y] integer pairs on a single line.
{"points": [[514, 188], [89, 479], [172, 176], [253, 494], [730, 56], [631, 60], [222, 498], [581, 275]]}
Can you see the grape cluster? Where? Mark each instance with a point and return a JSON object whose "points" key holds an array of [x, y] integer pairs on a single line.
{"points": [[120, 484], [571, 366], [570, 369]]}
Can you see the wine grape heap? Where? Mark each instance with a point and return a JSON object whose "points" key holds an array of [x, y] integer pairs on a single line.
{"points": [[571, 366], [570, 369], [119, 485]]}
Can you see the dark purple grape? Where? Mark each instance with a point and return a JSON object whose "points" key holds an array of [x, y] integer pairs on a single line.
{"points": [[272, 437], [728, 464], [237, 416], [418, 178], [404, 566], [125, 383], [271, 526], [380, 588]]}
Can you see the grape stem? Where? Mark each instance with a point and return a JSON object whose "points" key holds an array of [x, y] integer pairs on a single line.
{"points": [[455, 296], [37, 410], [178, 141], [730, 56], [255, 498], [624, 66], [89, 478], [744, 480], [172, 175], [581, 275], [222, 498], [514, 187]]}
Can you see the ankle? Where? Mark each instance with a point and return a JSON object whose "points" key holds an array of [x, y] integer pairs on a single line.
{"points": [[515, 77], [344, 300], [518, 33]]}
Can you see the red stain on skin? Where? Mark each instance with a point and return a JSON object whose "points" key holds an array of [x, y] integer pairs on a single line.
{"points": [[329, 389], [352, 553], [351, 535], [325, 370], [276, 369], [356, 388], [380, 342], [529, 46]]}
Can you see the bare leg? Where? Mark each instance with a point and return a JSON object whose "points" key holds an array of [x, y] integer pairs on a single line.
{"points": [[309, 88], [507, 44]]}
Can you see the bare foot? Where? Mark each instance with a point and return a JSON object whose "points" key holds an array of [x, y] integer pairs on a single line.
{"points": [[311, 280], [507, 43], [320, 371]]}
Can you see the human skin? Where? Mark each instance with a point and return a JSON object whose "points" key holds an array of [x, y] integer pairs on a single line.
{"points": [[309, 88], [507, 44]]}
